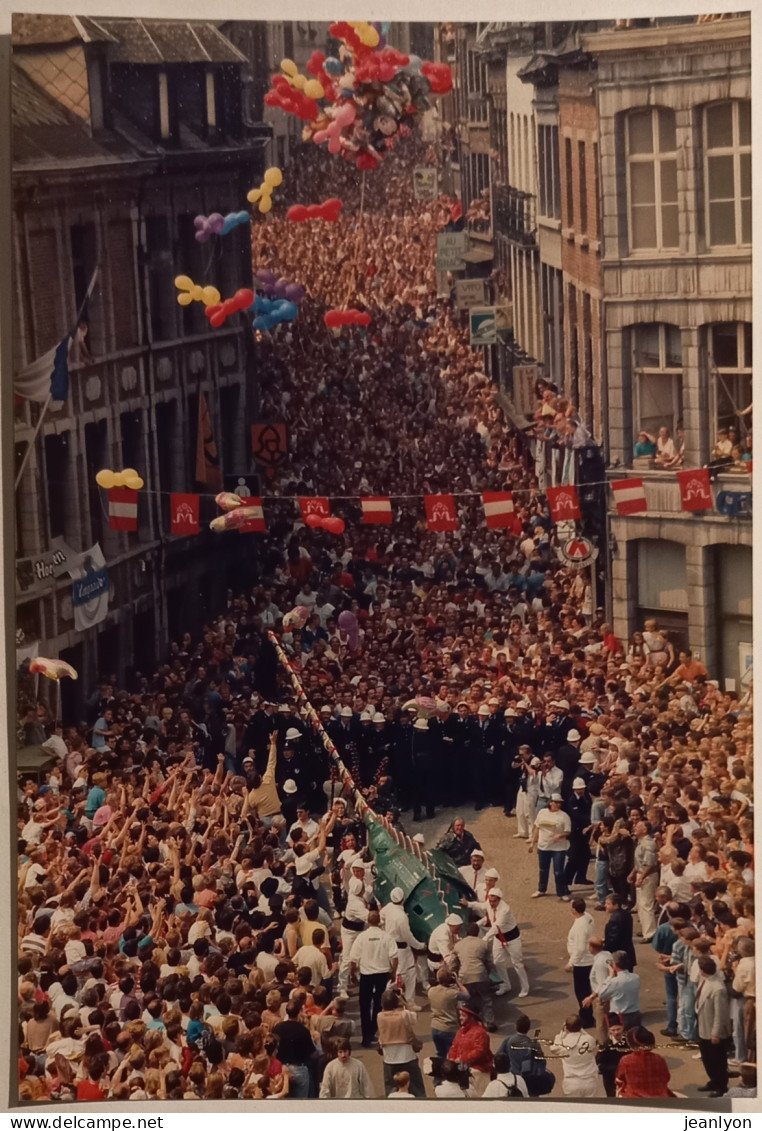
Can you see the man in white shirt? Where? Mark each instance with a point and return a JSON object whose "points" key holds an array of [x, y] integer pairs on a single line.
{"points": [[346, 1078], [551, 837], [395, 922], [600, 973], [313, 957], [580, 958], [375, 957], [472, 873], [355, 918], [550, 781], [504, 935], [441, 942]]}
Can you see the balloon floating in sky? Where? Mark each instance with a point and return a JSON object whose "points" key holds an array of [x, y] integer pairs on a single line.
{"points": [[190, 292], [329, 210], [331, 523], [215, 224], [263, 196], [220, 312], [127, 478], [270, 312], [337, 318], [52, 669]]}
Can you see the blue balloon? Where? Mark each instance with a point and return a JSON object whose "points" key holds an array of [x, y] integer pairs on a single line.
{"points": [[233, 219], [414, 65], [333, 66]]}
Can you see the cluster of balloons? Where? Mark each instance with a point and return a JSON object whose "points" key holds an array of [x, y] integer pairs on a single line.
{"points": [[52, 669], [236, 513], [334, 319], [263, 196], [270, 311], [332, 523], [273, 287], [241, 300], [191, 292], [360, 99], [127, 478], [329, 210], [215, 224]]}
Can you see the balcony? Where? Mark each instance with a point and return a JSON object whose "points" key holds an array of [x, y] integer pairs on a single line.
{"points": [[731, 492], [515, 215]]}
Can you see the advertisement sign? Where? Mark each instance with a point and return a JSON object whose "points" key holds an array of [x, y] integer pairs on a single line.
{"points": [[451, 247], [483, 326], [469, 293], [425, 186], [54, 563], [89, 594]]}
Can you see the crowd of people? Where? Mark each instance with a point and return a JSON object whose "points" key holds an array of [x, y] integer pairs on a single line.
{"points": [[195, 892]]}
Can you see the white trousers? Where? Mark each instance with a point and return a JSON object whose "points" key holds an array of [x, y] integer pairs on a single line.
{"points": [[526, 811], [646, 905], [347, 938], [510, 954]]}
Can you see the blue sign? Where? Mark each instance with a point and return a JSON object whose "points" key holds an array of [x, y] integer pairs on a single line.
{"points": [[734, 504], [89, 587]]}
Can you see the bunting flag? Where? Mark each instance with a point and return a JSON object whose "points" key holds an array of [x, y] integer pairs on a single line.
{"points": [[498, 509], [48, 376], [184, 514], [256, 524], [317, 505], [440, 513], [563, 503], [376, 509], [695, 489], [122, 508], [208, 468], [629, 496]]}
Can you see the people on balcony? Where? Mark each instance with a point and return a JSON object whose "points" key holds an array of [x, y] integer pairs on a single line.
{"points": [[645, 445], [666, 453]]}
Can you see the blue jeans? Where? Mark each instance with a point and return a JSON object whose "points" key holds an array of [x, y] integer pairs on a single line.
{"points": [[442, 1041], [687, 1011], [670, 986], [299, 1086], [545, 857], [601, 880]]}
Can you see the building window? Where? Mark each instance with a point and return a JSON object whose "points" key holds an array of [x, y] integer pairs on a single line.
{"points": [[730, 364], [477, 88], [727, 173], [662, 588], [569, 184], [573, 387], [596, 197], [582, 175], [165, 128], [658, 378], [549, 179], [57, 481], [652, 179]]}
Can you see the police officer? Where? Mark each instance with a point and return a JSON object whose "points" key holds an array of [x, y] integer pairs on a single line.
{"points": [[578, 807], [422, 784]]}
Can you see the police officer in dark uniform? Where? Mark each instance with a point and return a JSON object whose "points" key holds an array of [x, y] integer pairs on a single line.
{"points": [[465, 733], [485, 758], [422, 783], [511, 740], [402, 763], [578, 807]]}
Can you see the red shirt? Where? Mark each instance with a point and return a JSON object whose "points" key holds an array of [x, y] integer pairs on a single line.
{"points": [[88, 1090], [642, 1074], [471, 1047]]}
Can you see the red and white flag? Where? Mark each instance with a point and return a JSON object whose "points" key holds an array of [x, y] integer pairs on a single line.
{"points": [[122, 508], [695, 489], [376, 509], [563, 503], [440, 512], [256, 523], [184, 514], [317, 506], [498, 509], [629, 496]]}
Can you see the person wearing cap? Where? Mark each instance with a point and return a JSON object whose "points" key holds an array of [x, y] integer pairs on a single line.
{"points": [[501, 930], [472, 873], [402, 758], [353, 922], [551, 838], [559, 724], [529, 791], [511, 735], [395, 922], [465, 733], [439, 949], [642, 1073], [485, 765], [579, 808], [443, 730], [472, 1046], [374, 957], [459, 843], [567, 760], [421, 766]]}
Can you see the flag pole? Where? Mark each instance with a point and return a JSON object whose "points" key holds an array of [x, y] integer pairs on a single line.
{"points": [[46, 405]]}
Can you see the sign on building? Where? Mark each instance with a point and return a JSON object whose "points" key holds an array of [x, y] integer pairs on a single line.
{"points": [[469, 293], [451, 247], [47, 566], [483, 325], [577, 552], [425, 185], [90, 590], [524, 396]]}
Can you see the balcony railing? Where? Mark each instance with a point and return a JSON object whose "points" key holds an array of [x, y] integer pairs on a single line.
{"points": [[515, 215]]}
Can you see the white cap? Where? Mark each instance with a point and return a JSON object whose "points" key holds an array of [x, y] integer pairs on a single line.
{"points": [[579, 783], [357, 862], [478, 852], [303, 866], [284, 707], [289, 786], [397, 895], [535, 762], [492, 874], [495, 891], [454, 921], [248, 758], [556, 797], [355, 886], [419, 838], [563, 704], [588, 758], [421, 724], [346, 712], [325, 709], [483, 710], [573, 736], [378, 718], [366, 717], [292, 734], [524, 703], [493, 702], [510, 713]]}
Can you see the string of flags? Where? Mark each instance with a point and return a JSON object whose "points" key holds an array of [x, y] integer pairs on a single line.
{"points": [[440, 509]]}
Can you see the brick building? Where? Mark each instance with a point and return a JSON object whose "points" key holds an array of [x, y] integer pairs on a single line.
{"points": [[674, 116], [123, 131]]}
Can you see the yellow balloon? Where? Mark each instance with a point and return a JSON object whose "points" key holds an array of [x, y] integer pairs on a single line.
{"points": [[134, 482], [288, 66], [105, 478], [184, 299], [118, 479], [253, 195], [265, 204], [314, 89], [299, 81], [129, 472], [183, 283], [273, 177], [210, 296]]}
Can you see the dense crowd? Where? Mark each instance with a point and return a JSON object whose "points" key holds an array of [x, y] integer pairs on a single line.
{"points": [[195, 893]]}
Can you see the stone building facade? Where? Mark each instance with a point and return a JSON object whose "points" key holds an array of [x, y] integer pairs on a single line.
{"points": [[674, 120]]}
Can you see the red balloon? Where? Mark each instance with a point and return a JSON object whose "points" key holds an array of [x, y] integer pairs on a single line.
{"points": [[334, 525], [367, 161], [314, 521], [297, 213], [333, 319]]}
